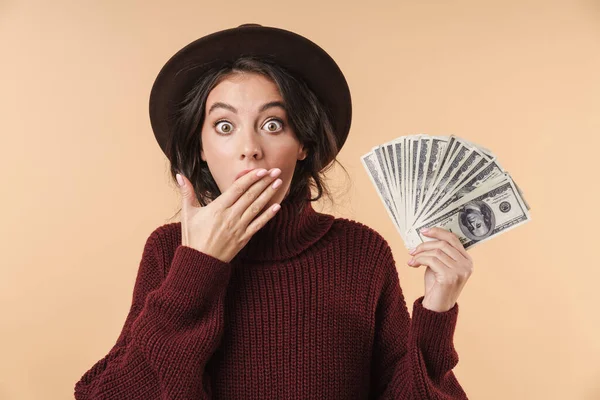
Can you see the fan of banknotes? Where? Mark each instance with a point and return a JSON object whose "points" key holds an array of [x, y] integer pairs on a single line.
{"points": [[448, 182]]}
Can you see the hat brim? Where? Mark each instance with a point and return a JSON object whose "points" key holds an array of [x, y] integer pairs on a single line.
{"points": [[299, 55]]}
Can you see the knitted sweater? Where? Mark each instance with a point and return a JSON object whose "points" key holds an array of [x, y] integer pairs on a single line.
{"points": [[310, 308]]}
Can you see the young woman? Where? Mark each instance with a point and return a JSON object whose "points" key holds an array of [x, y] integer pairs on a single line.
{"points": [[254, 294]]}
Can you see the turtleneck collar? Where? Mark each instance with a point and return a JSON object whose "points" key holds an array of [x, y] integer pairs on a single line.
{"points": [[295, 227]]}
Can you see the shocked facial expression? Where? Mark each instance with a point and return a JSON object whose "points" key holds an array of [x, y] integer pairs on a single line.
{"points": [[246, 126]]}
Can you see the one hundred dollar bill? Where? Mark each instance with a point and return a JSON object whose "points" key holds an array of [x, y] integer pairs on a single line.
{"points": [[488, 211]]}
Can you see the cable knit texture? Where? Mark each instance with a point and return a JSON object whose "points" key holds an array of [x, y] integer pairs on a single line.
{"points": [[311, 308]]}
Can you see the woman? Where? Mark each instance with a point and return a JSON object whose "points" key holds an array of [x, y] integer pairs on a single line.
{"points": [[254, 294]]}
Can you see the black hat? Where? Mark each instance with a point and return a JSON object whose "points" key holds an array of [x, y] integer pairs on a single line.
{"points": [[303, 58]]}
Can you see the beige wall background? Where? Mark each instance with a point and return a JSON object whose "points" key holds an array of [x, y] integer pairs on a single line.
{"points": [[84, 182]]}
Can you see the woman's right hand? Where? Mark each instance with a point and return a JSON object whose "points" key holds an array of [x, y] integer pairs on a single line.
{"points": [[222, 228]]}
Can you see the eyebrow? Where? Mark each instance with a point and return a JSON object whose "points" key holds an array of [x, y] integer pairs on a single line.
{"points": [[264, 107]]}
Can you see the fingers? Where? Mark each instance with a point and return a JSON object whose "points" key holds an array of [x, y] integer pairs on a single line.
{"points": [[446, 256], [267, 189], [262, 219], [442, 245], [432, 256], [188, 196], [431, 261], [444, 234], [252, 201], [240, 187], [446, 270]]}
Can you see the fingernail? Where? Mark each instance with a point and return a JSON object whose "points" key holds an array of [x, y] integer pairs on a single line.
{"points": [[412, 251], [275, 172], [179, 179], [276, 207], [425, 230], [410, 262], [277, 183], [261, 172]]}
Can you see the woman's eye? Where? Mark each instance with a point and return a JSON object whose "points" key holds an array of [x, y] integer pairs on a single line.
{"points": [[227, 127], [272, 125]]}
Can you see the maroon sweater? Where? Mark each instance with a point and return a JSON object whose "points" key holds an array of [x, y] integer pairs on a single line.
{"points": [[311, 308]]}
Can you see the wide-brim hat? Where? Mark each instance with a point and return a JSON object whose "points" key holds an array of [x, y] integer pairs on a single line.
{"points": [[300, 56]]}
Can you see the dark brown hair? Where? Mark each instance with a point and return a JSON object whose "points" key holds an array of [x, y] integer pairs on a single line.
{"points": [[306, 115]]}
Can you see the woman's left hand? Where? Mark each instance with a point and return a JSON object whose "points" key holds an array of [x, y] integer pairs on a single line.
{"points": [[449, 268]]}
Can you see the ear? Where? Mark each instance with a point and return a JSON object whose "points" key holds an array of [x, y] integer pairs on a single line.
{"points": [[302, 153]]}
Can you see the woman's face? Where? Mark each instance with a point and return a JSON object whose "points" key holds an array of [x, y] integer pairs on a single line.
{"points": [[246, 126]]}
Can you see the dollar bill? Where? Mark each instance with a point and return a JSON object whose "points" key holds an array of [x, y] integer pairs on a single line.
{"points": [[375, 173], [485, 213], [420, 178]]}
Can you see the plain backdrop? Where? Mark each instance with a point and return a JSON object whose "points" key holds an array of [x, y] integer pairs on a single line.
{"points": [[84, 181]]}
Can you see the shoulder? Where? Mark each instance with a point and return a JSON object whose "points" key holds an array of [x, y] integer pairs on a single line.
{"points": [[163, 241], [362, 236], [166, 232], [372, 251], [375, 248]]}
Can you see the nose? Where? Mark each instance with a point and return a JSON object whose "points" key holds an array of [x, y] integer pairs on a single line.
{"points": [[250, 145]]}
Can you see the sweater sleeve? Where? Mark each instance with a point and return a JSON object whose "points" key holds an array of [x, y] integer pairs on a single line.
{"points": [[173, 327], [412, 358]]}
